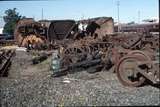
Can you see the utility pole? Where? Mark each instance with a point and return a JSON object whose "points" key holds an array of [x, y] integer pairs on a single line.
{"points": [[82, 18], [33, 17], [42, 13], [118, 4], [138, 16]]}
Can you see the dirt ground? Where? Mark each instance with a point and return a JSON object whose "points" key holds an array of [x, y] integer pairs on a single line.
{"points": [[32, 86]]}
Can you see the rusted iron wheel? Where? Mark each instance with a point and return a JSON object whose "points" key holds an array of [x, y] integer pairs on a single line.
{"points": [[143, 54], [72, 55], [138, 52], [128, 70], [66, 60]]}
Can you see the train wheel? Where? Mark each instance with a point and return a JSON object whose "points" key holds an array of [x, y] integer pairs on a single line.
{"points": [[138, 52], [72, 55], [128, 70], [66, 60]]}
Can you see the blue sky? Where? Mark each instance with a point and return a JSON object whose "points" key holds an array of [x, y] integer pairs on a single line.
{"points": [[78, 9]]}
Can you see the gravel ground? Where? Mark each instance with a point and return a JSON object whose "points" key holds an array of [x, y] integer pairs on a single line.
{"points": [[32, 86]]}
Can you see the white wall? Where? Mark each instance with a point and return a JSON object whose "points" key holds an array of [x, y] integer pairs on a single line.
{"points": [[1, 30]]}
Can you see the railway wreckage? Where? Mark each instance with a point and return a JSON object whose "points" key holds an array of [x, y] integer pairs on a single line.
{"points": [[93, 45], [133, 62], [135, 56]]}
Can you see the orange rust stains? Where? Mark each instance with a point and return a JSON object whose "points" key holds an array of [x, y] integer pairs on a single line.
{"points": [[32, 39]]}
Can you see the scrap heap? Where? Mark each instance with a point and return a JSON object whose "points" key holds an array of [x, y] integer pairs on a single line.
{"points": [[95, 47], [134, 56]]}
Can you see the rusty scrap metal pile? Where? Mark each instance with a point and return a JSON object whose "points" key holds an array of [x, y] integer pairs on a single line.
{"points": [[28, 31], [134, 56]]}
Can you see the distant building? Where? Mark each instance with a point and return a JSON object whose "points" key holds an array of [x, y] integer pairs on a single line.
{"points": [[1, 30]]}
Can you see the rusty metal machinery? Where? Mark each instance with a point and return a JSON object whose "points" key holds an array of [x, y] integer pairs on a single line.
{"points": [[113, 50], [47, 32], [87, 48], [134, 68], [90, 45], [132, 54], [150, 41], [17, 35], [30, 32]]}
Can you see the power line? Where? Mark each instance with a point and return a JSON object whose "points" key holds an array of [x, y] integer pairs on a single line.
{"points": [[138, 16]]}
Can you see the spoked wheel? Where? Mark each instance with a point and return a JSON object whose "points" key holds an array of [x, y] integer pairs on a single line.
{"points": [[72, 55], [66, 60], [73, 50], [128, 70]]}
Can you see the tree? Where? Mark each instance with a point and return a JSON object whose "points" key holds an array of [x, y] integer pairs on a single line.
{"points": [[10, 19]]}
